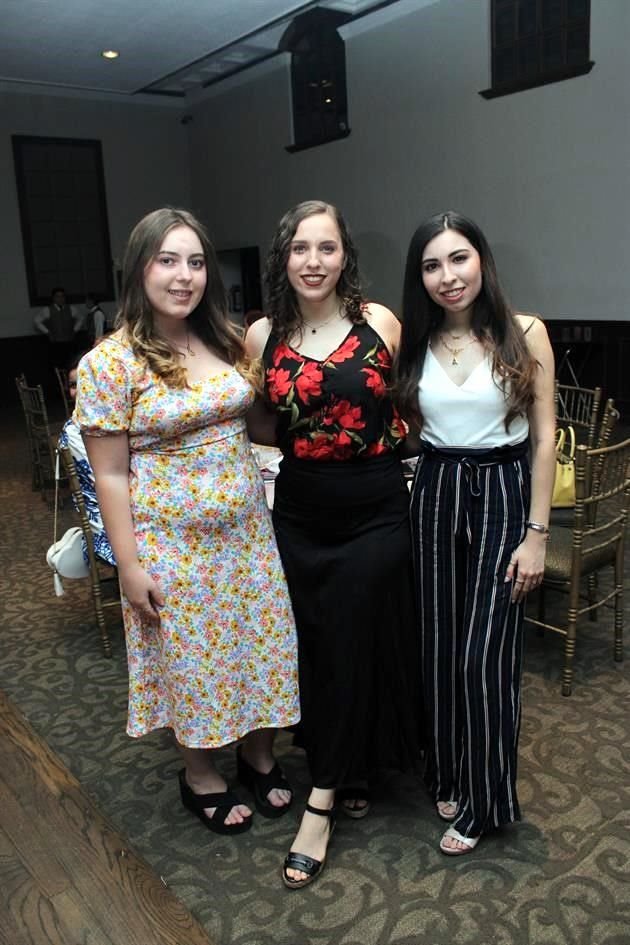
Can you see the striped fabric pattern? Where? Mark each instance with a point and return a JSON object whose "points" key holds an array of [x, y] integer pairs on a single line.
{"points": [[466, 522]]}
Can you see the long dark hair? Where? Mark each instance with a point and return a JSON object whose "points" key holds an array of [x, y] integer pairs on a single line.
{"points": [[492, 321], [283, 307], [209, 320]]}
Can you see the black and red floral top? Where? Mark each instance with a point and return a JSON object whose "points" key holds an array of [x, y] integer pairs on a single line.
{"points": [[336, 409]]}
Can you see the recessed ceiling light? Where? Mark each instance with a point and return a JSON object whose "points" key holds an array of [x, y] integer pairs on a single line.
{"points": [[110, 54]]}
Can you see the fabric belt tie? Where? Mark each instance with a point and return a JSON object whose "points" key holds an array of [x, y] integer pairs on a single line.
{"points": [[465, 467]]}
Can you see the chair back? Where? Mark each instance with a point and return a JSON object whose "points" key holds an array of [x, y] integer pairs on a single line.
{"points": [[602, 498], [97, 580], [579, 407], [595, 541], [608, 422], [62, 379], [38, 433]]}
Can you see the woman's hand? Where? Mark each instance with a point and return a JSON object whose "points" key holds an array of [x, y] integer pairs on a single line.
{"points": [[527, 565], [142, 592]]}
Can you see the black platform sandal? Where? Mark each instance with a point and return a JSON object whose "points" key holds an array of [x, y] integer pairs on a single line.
{"points": [[346, 795], [223, 801], [261, 784], [302, 862]]}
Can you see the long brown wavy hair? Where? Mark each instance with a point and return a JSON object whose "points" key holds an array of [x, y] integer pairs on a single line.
{"points": [[493, 322], [282, 303], [209, 320]]}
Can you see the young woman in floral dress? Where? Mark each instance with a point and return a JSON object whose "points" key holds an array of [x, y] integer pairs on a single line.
{"points": [[341, 517], [209, 629]]}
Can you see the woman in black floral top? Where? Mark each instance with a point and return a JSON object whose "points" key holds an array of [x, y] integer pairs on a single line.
{"points": [[341, 518]]}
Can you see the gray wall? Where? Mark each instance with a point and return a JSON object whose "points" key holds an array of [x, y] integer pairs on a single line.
{"points": [[145, 157], [544, 171]]}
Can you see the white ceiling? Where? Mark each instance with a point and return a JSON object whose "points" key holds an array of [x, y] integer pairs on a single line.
{"points": [[171, 47]]}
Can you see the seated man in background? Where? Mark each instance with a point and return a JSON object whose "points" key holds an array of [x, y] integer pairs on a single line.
{"points": [[70, 436]]}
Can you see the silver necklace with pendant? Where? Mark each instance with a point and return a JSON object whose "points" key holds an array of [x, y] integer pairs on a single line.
{"points": [[315, 329]]}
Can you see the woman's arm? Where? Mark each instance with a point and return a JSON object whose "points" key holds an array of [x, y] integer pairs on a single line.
{"points": [[528, 560], [261, 424], [109, 458], [261, 421], [256, 338]]}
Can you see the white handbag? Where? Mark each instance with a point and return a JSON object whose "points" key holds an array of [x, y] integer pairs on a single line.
{"points": [[66, 555]]}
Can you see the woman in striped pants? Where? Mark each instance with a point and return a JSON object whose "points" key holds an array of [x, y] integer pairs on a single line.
{"points": [[476, 380]]}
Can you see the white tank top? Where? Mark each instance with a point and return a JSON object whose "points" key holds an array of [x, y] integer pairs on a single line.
{"points": [[469, 416]]}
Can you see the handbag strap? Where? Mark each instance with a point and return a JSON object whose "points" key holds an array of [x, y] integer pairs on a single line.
{"points": [[560, 438], [56, 495], [57, 582]]}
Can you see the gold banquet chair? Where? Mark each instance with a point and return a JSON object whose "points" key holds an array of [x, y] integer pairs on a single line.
{"points": [[609, 419], [563, 517], [578, 407], [596, 540], [103, 578], [62, 380], [40, 436]]}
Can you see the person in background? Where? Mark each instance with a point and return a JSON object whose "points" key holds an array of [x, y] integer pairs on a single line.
{"points": [[94, 323], [476, 381], [341, 513], [210, 632], [60, 323]]}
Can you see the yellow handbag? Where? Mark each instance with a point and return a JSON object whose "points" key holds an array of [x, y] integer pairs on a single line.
{"points": [[564, 484]]}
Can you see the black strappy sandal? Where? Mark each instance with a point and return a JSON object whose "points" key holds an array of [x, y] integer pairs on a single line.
{"points": [[302, 862], [223, 801], [261, 784]]}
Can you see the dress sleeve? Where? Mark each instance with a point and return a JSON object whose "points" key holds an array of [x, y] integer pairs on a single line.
{"points": [[104, 393]]}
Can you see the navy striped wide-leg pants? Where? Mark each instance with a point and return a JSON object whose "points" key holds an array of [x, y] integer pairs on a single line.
{"points": [[468, 516]]}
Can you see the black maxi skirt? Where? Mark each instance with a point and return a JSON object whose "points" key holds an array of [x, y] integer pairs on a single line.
{"points": [[344, 538]]}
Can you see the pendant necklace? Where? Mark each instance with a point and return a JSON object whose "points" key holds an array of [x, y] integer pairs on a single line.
{"points": [[189, 351], [456, 351], [315, 329]]}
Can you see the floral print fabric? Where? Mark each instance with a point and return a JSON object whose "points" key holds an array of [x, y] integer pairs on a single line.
{"points": [[223, 661], [338, 408], [71, 438]]}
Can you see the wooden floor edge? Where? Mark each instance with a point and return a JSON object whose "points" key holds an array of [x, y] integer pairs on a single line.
{"points": [[129, 876]]}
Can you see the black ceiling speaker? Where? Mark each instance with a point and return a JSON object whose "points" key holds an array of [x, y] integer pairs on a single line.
{"points": [[318, 77]]}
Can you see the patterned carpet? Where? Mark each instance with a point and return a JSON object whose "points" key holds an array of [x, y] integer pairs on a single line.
{"points": [[561, 877]]}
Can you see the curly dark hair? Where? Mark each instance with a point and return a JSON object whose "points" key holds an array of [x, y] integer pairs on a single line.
{"points": [[282, 303], [492, 321]]}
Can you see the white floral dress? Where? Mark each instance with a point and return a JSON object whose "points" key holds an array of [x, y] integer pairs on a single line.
{"points": [[223, 660]]}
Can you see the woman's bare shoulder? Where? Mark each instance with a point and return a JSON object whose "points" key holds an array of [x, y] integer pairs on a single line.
{"points": [[384, 323], [257, 336]]}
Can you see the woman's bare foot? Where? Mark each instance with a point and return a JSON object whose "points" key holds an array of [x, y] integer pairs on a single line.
{"points": [[211, 782], [447, 810], [314, 833], [261, 759]]}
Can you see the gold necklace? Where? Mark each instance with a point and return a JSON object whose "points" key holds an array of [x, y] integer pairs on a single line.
{"points": [[321, 325], [189, 350], [456, 337], [456, 351]]}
